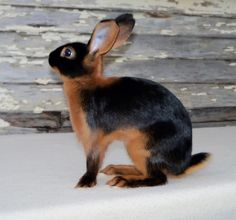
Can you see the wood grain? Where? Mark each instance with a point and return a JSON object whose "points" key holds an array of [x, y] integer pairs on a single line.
{"points": [[38, 21], [205, 102], [192, 7], [188, 46], [138, 47], [37, 71]]}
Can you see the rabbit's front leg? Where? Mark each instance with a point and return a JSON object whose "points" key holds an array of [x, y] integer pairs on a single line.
{"points": [[93, 163]]}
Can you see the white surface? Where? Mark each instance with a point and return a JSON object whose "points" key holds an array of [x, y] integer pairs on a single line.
{"points": [[38, 172]]}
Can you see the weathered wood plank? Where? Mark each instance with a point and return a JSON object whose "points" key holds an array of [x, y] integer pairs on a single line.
{"points": [[160, 70], [36, 21], [21, 130], [193, 7], [139, 47], [207, 115], [206, 124], [44, 106], [38, 98], [46, 120], [17, 130], [26, 70], [200, 118], [175, 70], [31, 98], [190, 54], [216, 116]]}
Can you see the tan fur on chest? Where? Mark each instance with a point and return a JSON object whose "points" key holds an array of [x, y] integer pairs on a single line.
{"points": [[77, 115], [72, 90]]}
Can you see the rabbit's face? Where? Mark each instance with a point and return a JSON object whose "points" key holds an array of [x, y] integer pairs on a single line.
{"points": [[78, 59], [68, 59]]}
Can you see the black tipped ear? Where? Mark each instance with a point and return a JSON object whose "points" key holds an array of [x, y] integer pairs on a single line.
{"points": [[126, 24], [125, 19]]}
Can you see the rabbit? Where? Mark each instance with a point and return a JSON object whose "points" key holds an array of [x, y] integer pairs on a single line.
{"points": [[150, 120]]}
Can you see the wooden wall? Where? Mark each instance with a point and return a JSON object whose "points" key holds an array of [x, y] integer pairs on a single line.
{"points": [[188, 46]]}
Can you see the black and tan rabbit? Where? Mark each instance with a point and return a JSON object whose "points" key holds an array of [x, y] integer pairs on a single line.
{"points": [[153, 124]]}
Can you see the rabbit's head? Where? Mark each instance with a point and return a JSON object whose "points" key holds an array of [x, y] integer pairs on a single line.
{"points": [[79, 59]]}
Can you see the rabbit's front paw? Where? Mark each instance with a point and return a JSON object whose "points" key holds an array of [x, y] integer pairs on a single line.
{"points": [[87, 180]]}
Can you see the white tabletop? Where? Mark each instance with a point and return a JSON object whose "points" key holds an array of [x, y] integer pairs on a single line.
{"points": [[38, 173]]}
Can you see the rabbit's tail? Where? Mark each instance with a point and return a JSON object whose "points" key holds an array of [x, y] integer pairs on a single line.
{"points": [[197, 162]]}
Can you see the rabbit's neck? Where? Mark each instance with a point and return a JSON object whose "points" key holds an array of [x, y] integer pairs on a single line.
{"points": [[98, 69], [93, 65], [72, 90]]}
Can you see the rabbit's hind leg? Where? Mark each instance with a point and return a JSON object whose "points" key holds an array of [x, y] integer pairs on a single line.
{"points": [[120, 170], [132, 181], [140, 155]]}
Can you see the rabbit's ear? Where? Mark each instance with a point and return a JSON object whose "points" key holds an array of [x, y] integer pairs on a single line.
{"points": [[126, 24], [103, 37]]}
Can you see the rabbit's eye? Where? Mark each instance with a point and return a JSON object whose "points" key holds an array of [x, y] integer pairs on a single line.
{"points": [[68, 52]]}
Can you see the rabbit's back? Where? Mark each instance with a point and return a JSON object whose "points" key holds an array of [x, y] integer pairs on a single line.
{"points": [[133, 102]]}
